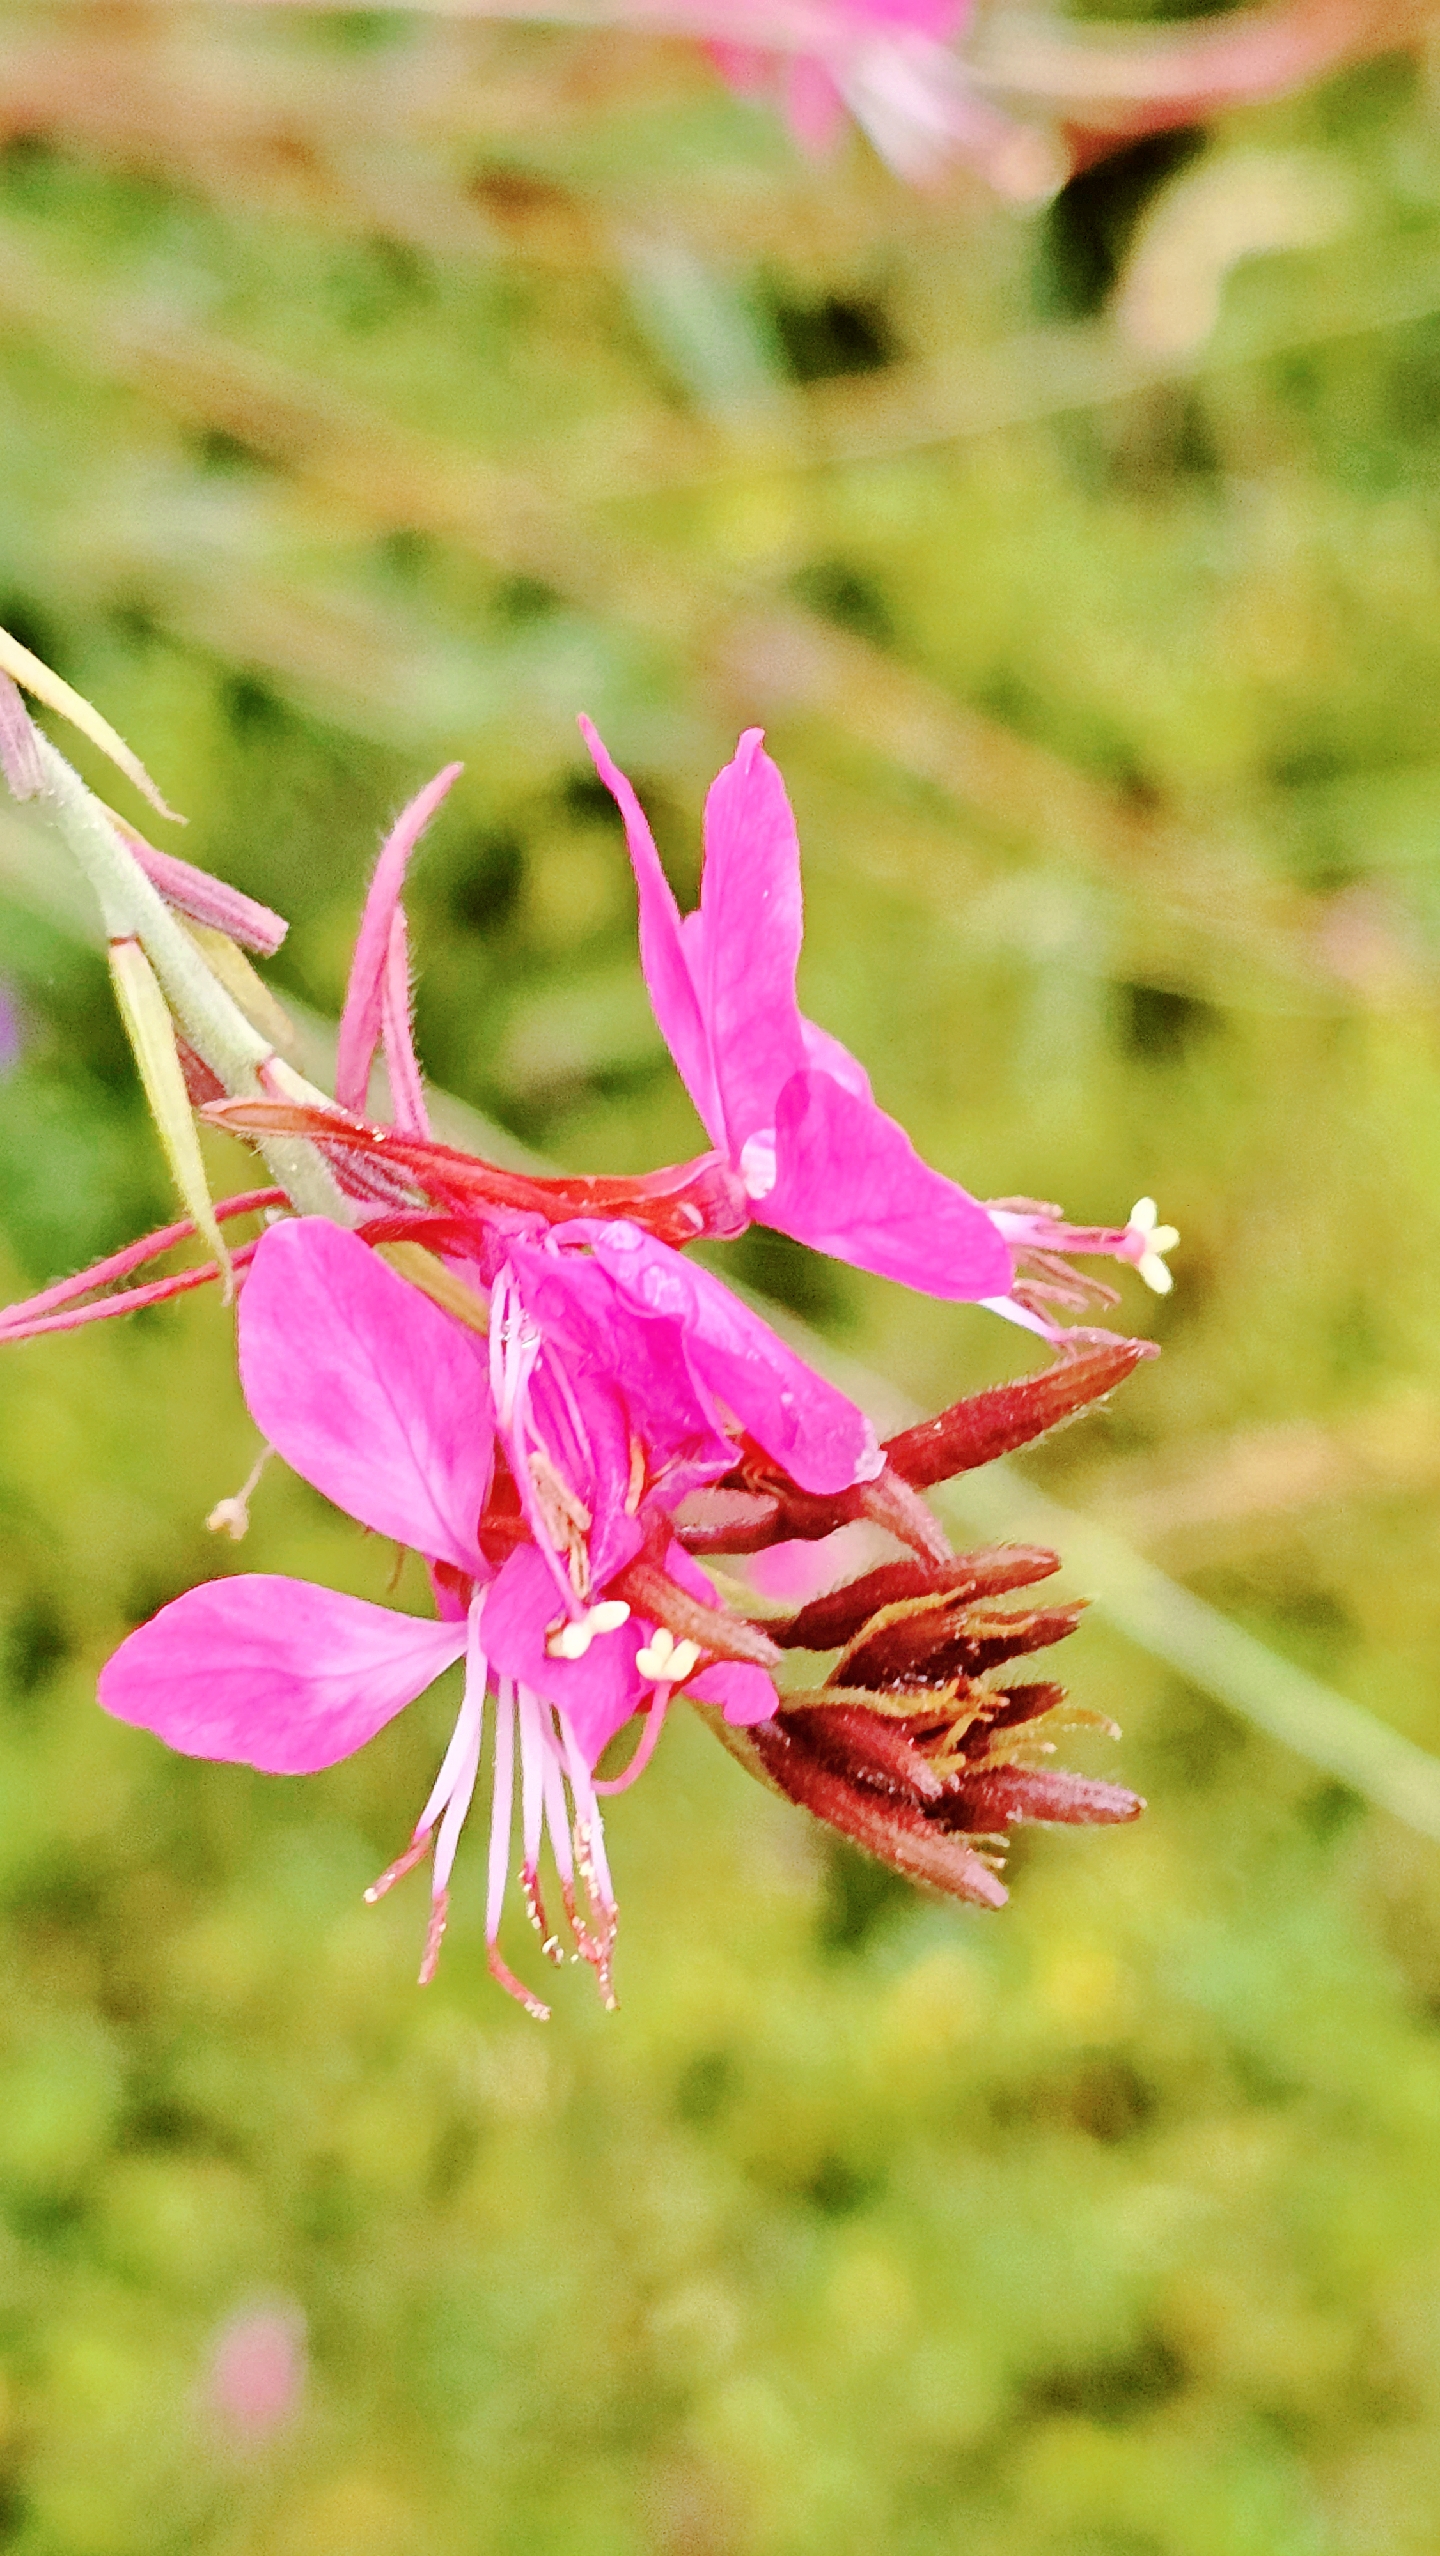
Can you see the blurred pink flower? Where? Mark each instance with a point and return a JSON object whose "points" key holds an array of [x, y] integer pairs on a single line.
{"points": [[887, 63], [255, 2381]]}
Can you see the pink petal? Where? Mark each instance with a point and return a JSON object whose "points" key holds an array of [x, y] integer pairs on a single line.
{"points": [[599, 1693], [754, 920], [849, 1181], [814, 107], [744, 1693], [827, 1052], [810, 1427], [746, 67], [274, 1673], [362, 1020], [663, 956], [256, 2377], [367, 1389], [628, 1376]]}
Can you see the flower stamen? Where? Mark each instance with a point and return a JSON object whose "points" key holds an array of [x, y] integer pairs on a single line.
{"points": [[665, 1659], [571, 1641], [232, 1516], [1155, 1240]]}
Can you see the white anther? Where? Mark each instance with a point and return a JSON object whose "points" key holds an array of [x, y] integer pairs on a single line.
{"points": [[232, 1517], [1157, 1240], [571, 1641], [666, 1660]]}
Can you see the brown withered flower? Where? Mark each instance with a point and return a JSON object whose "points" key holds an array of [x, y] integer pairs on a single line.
{"points": [[914, 1744]]}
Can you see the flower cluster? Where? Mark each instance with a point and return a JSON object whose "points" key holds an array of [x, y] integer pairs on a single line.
{"points": [[525, 1383]]}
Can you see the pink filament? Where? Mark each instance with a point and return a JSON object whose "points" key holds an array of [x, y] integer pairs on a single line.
{"points": [[415, 1853], [502, 1808], [514, 1349], [654, 1725]]}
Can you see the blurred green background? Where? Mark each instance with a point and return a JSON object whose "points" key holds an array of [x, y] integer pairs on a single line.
{"points": [[374, 391]]}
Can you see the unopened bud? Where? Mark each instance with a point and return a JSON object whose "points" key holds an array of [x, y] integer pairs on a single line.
{"points": [[996, 1422], [834, 1619]]}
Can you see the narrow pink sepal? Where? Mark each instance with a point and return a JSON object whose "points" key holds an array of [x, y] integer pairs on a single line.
{"points": [[663, 955], [129, 1299], [119, 1264], [362, 1020], [274, 1673], [753, 919], [367, 1389], [205, 900], [408, 1113], [824, 1442], [849, 1181]]}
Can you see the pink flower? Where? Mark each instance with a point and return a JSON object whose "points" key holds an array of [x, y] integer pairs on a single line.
{"points": [[533, 1472], [891, 64], [886, 62], [786, 1105], [790, 1110]]}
